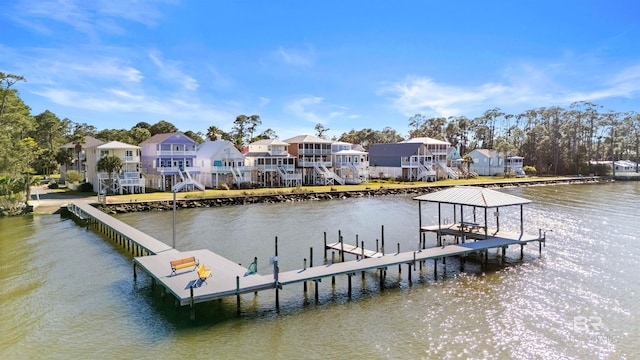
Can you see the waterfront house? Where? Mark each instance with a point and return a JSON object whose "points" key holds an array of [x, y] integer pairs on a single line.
{"points": [[221, 162], [350, 164], [78, 155], [313, 160], [440, 153], [410, 161], [168, 161], [489, 162], [127, 180], [271, 164]]}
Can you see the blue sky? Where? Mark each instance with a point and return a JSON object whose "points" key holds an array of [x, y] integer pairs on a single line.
{"points": [[344, 64]]}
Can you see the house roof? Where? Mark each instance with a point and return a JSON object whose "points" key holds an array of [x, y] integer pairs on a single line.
{"points": [[307, 139], [269, 142], [492, 152], [210, 148], [394, 149], [358, 147], [116, 145], [426, 140], [473, 196], [159, 138], [265, 154], [351, 152], [89, 141]]}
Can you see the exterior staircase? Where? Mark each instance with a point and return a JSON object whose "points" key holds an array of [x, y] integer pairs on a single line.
{"points": [[450, 173], [330, 178], [424, 173], [289, 178], [187, 181]]}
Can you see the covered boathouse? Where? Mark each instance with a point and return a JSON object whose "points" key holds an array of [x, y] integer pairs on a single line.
{"points": [[463, 223]]}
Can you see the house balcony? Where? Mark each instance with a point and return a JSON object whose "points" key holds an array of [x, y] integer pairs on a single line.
{"points": [[312, 163], [273, 167], [314, 152], [228, 169], [278, 152], [174, 170], [349, 164], [415, 164], [176, 153], [124, 159]]}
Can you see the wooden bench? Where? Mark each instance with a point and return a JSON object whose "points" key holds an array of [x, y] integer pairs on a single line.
{"points": [[183, 263], [204, 273]]}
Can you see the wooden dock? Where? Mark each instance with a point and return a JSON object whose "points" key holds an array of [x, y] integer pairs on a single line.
{"points": [[353, 250], [132, 239], [229, 278]]}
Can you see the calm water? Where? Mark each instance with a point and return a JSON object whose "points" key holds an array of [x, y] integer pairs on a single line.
{"points": [[68, 293]]}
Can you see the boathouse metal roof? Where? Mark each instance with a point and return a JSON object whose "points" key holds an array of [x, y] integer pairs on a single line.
{"points": [[473, 196]]}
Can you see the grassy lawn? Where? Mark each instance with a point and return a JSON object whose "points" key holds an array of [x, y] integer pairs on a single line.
{"points": [[309, 189]]}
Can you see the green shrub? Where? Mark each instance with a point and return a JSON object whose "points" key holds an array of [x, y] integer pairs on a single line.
{"points": [[529, 170], [223, 186], [246, 185], [53, 185], [74, 176], [85, 187]]}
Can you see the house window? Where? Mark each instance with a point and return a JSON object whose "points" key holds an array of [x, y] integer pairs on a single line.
{"points": [[128, 153]]}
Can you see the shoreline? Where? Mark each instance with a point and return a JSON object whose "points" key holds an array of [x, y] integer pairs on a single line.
{"points": [[247, 199]]}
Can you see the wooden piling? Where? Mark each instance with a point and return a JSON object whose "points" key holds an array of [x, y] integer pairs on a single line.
{"points": [[325, 246], [238, 294], [399, 265], [316, 289], [191, 304], [304, 282]]}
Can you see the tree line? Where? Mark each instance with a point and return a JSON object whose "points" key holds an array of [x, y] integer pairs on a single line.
{"points": [[554, 140]]}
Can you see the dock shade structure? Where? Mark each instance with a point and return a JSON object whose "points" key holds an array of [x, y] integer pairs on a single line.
{"points": [[468, 196]]}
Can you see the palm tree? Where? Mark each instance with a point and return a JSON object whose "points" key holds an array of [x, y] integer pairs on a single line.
{"points": [[78, 140], [110, 164], [467, 160]]}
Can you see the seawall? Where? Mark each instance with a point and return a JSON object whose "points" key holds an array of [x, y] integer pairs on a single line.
{"points": [[294, 196]]}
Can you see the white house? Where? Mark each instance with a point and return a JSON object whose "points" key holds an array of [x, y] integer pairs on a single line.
{"points": [[128, 180], [488, 162], [271, 164], [221, 162], [348, 163], [439, 150]]}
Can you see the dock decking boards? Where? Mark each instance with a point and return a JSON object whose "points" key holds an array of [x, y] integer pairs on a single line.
{"points": [[222, 283]]}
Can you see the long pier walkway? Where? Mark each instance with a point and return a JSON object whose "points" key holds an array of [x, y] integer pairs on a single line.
{"points": [[229, 278]]}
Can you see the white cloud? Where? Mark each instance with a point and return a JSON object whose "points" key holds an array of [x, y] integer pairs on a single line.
{"points": [[523, 86], [301, 109], [263, 101], [87, 17], [170, 70], [422, 95], [293, 57]]}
